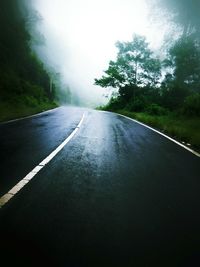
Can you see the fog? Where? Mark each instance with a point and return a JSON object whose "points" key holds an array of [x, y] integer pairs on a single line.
{"points": [[80, 38]]}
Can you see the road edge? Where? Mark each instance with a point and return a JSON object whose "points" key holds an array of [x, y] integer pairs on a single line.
{"points": [[151, 128], [29, 116]]}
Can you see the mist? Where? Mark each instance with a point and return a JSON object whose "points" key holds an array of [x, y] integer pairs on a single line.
{"points": [[183, 12], [79, 39]]}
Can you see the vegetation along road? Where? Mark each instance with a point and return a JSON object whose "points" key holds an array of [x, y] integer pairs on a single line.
{"points": [[115, 194]]}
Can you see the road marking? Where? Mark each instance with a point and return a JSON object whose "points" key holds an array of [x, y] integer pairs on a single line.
{"points": [[166, 136], [12, 192], [28, 117]]}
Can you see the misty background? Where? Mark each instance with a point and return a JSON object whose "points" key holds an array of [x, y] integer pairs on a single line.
{"points": [[77, 39], [139, 57]]}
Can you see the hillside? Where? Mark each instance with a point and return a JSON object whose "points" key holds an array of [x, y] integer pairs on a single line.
{"points": [[24, 83]]}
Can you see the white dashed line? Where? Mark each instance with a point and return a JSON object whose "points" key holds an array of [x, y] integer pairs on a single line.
{"points": [[5, 198]]}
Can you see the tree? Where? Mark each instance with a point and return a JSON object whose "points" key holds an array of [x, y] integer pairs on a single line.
{"points": [[184, 59], [134, 67], [23, 76]]}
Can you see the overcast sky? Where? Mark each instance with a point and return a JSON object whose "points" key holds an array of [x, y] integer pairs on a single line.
{"points": [[81, 35]]}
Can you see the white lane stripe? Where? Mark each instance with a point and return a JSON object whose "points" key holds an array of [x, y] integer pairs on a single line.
{"points": [[166, 136], [5, 198]]}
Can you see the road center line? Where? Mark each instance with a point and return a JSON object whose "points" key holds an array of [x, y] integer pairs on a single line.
{"points": [[12, 192]]}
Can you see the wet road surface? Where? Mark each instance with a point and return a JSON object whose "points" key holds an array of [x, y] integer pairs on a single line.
{"points": [[118, 194]]}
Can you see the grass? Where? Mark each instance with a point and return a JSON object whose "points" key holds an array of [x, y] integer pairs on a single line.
{"points": [[10, 111], [183, 129]]}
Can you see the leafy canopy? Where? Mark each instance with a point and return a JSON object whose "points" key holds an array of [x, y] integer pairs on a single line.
{"points": [[135, 66]]}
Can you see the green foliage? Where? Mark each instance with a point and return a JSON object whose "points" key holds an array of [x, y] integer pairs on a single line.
{"points": [[180, 128], [115, 77], [63, 95], [191, 106], [173, 103], [155, 109], [18, 109], [174, 96], [174, 106], [135, 58], [115, 103], [23, 79], [135, 66], [137, 105], [185, 59], [127, 92]]}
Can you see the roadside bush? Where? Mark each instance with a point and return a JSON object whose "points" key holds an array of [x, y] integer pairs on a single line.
{"points": [[173, 98], [155, 109], [115, 103], [126, 92], [191, 105], [137, 105], [30, 101]]}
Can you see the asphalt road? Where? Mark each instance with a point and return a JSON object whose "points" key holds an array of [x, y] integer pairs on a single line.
{"points": [[118, 194]]}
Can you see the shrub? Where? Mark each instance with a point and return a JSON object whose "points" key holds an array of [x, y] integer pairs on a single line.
{"points": [[138, 104], [115, 103], [191, 105], [155, 109], [173, 98], [30, 101]]}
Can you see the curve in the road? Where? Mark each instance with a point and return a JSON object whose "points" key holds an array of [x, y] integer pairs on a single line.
{"points": [[11, 193], [166, 136]]}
